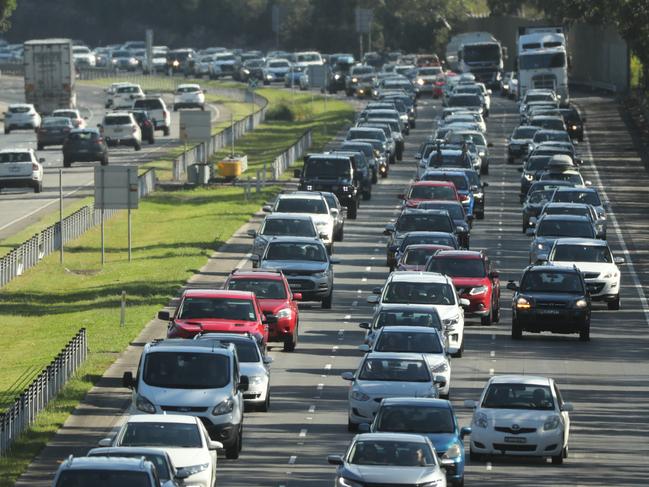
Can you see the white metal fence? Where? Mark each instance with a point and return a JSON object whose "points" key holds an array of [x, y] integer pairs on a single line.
{"points": [[22, 412]]}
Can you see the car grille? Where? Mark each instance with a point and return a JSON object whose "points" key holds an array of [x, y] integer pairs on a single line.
{"points": [[550, 304], [591, 275], [512, 447], [544, 81], [183, 409], [595, 288], [301, 284], [519, 431]]}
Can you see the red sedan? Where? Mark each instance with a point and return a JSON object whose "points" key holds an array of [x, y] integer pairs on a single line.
{"points": [[217, 310], [277, 302], [429, 190], [474, 279]]}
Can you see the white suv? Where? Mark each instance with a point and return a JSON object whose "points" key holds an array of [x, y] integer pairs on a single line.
{"points": [[189, 96], [20, 168], [120, 128], [594, 259], [125, 94], [419, 289], [21, 116], [157, 110], [521, 416]]}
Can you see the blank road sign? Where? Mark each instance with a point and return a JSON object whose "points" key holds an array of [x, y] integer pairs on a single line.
{"points": [[116, 187]]}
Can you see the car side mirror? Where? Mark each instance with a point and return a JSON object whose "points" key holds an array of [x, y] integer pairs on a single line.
{"points": [[567, 407], [182, 474], [489, 92], [270, 319], [389, 228], [347, 375], [244, 383], [485, 184], [99, 125], [364, 326], [588, 183], [297, 173], [254, 258], [334, 212], [128, 381], [465, 431], [373, 299], [335, 459], [297, 296], [473, 188], [364, 428], [252, 233], [469, 403], [164, 315], [267, 359], [512, 286], [365, 348], [439, 380], [465, 303], [619, 260], [267, 209], [105, 442], [215, 445]]}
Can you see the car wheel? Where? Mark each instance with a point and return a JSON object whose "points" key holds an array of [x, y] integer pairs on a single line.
{"points": [[341, 235], [517, 333], [496, 313], [151, 140], [7, 131], [584, 334], [351, 427], [290, 342], [413, 124], [479, 215], [40, 146], [352, 211], [137, 146], [165, 131], [459, 483], [460, 352], [475, 457], [487, 320], [526, 224], [367, 195], [615, 304], [232, 453], [510, 160], [326, 302], [375, 178], [66, 162], [558, 459], [104, 161], [38, 187]]}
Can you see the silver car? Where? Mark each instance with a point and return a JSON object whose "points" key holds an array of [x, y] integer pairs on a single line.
{"points": [[282, 224]]}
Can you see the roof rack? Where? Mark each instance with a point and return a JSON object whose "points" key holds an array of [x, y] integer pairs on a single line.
{"points": [[268, 270]]}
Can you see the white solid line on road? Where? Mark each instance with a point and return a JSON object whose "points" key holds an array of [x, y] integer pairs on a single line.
{"points": [[292, 459], [489, 466], [346, 317], [364, 279], [492, 353], [491, 372], [302, 433], [327, 366], [243, 261], [320, 386], [368, 269], [311, 408]]}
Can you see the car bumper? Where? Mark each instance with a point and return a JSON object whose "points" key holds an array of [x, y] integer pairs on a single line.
{"points": [[552, 320], [51, 140], [601, 290], [312, 289], [480, 305], [19, 182], [282, 329], [544, 444], [84, 156], [226, 433], [125, 141], [21, 125], [256, 393]]}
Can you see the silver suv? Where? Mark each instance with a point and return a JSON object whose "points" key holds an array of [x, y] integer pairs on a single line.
{"points": [[200, 378]]}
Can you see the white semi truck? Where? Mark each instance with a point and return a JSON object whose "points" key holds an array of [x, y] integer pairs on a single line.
{"points": [[479, 53], [49, 74]]}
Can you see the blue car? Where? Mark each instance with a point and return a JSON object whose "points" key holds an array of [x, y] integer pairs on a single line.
{"points": [[433, 418], [462, 185]]}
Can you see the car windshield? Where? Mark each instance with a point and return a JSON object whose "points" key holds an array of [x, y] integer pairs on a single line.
{"points": [[419, 293], [539, 197], [572, 177], [103, 478], [193, 308], [396, 370], [376, 134], [414, 419], [188, 89], [457, 267], [582, 253], [57, 122], [426, 192], [150, 104], [122, 54], [542, 61], [391, 454], [465, 101], [548, 123], [364, 148], [524, 132], [588, 197], [456, 211], [247, 351], [518, 396], [567, 210], [551, 282], [327, 168], [411, 222], [537, 163], [263, 288], [278, 64], [296, 251], [448, 160], [83, 136], [159, 461], [440, 239], [65, 113], [409, 342], [542, 136], [565, 228], [301, 205], [15, 157], [164, 435], [418, 256], [21, 109], [459, 180], [128, 89], [186, 370], [288, 226], [393, 317], [429, 71]]}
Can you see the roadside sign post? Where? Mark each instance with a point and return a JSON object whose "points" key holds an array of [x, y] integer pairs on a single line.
{"points": [[61, 213], [149, 51], [116, 188], [364, 17]]}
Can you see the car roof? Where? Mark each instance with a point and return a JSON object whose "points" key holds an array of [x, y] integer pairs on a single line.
{"points": [[218, 293], [144, 450], [417, 276], [257, 274], [288, 238], [118, 114], [301, 195], [417, 401], [106, 463], [460, 254], [423, 211], [572, 189], [18, 105], [424, 233], [520, 379], [84, 130], [427, 246], [162, 418], [16, 149], [394, 355], [576, 218], [336, 154], [409, 308], [552, 268], [433, 183], [291, 216], [591, 242], [391, 437], [406, 328]]}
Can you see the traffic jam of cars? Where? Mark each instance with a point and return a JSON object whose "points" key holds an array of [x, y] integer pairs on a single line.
{"points": [[192, 388]]}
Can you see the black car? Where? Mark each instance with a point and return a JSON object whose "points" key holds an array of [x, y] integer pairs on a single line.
{"points": [[454, 208], [181, 61], [334, 173], [146, 125], [84, 145], [551, 298], [362, 171], [252, 69], [370, 155], [538, 195], [574, 123], [338, 73]]}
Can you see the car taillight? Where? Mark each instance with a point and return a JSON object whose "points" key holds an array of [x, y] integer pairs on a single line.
{"points": [[134, 128], [34, 166], [147, 123], [464, 197], [164, 113]]}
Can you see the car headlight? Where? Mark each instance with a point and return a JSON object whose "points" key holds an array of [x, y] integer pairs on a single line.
{"points": [[144, 405], [451, 321], [542, 246], [343, 482], [480, 420], [574, 127], [284, 313], [528, 176], [478, 290], [439, 368], [420, 81], [224, 407], [256, 380], [359, 396], [194, 469], [337, 76], [354, 80], [482, 153], [581, 303], [176, 63], [610, 275], [345, 189], [523, 303], [552, 423], [321, 274], [453, 452]]}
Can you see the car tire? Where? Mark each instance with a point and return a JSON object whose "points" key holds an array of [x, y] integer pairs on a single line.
{"points": [[232, 453], [137, 147], [67, 162], [351, 427], [458, 483], [496, 313], [367, 195], [340, 235], [166, 131], [558, 459], [375, 178], [38, 187], [104, 161], [7, 131], [484, 169], [615, 304], [510, 160], [584, 333], [290, 342], [479, 215], [151, 140], [352, 211], [40, 146], [517, 333], [413, 124], [487, 320], [475, 457], [327, 301]]}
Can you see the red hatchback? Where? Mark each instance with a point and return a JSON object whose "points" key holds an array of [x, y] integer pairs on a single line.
{"points": [[217, 310], [429, 190], [474, 280], [277, 302]]}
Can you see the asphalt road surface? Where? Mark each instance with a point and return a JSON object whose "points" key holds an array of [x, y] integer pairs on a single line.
{"points": [[21, 206]]}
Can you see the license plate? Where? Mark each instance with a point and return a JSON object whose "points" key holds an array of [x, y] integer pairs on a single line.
{"points": [[14, 168], [515, 439], [295, 285], [83, 150], [118, 130], [549, 311]]}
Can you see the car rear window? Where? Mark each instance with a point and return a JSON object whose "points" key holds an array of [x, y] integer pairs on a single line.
{"points": [[148, 104], [128, 89], [83, 136], [118, 120], [15, 157], [164, 435], [103, 478], [19, 109], [263, 288]]}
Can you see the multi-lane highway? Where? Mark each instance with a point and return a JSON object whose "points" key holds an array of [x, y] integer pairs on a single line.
{"points": [[605, 379], [21, 206]]}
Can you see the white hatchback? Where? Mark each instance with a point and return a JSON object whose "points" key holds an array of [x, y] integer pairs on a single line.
{"points": [[189, 96], [125, 94], [120, 128], [21, 116], [520, 415], [21, 168]]}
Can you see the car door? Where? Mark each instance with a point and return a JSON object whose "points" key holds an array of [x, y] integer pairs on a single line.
{"points": [[564, 414]]}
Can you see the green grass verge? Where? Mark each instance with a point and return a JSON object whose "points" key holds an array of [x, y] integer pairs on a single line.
{"points": [[636, 72]]}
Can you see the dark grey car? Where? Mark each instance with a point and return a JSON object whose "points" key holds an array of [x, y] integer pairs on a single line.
{"points": [[282, 224]]}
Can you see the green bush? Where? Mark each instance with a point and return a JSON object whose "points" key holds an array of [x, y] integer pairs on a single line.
{"points": [[282, 111]]}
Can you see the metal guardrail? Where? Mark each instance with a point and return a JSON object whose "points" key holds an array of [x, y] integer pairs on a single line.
{"points": [[287, 158], [45, 386], [29, 253]]}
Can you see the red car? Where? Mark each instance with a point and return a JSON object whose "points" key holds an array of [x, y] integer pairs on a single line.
{"points": [[277, 302], [429, 190], [474, 279], [415, 256], [217, 310]]}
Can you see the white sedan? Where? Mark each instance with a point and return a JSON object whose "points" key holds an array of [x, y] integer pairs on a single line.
{"points": [[520, 415]]}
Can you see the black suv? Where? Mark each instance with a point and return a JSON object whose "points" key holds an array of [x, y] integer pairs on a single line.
{"points": [[334, 173], [551, 298], [362, 170]]}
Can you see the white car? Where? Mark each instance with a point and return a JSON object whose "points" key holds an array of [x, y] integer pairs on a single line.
{"points": [[21, 168], [125, 94], [110, 93], [224, 64], [83, 56], [189, 96], [78, 121], [472, 118], [21, 116], [381, 375], [309, 203], [419, 289], [120, 128], [427, 341], [594, 259], [520, 415], [184, 438]]}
